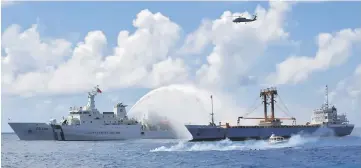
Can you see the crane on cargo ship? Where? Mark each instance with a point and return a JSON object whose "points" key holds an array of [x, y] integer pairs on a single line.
{"points": [[265, 94]]}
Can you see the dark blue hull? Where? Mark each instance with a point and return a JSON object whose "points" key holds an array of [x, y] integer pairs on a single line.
{"points": [[206, 133], [262, 132], [239, 133]]}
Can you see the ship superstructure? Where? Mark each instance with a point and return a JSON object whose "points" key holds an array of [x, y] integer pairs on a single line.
{"points": [[328, 115], [87, 123], [324, 122]]}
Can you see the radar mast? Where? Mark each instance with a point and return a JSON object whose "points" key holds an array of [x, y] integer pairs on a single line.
{"points": [[91, 96], [326, 97]]}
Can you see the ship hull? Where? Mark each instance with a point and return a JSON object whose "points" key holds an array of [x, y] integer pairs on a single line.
{"points": [[33, 131], [206, 132], [241, 133], [113, 132], [43, 131], [258, 132]]}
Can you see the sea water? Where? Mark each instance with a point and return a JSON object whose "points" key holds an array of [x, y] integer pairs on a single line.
{"points": [[298, 151]]}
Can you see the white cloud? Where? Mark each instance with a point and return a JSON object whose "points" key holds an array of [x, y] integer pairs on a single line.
{"points": [[167, 72], [236, 46], [333, 50], [354, 88], [27, 52], [27, 58], [140, 59], [196, 41]]}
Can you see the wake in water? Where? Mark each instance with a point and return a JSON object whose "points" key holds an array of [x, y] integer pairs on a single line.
{"points": [[227, 145]]}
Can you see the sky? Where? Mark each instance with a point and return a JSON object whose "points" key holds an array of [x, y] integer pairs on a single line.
{"points": [[53, 53]]}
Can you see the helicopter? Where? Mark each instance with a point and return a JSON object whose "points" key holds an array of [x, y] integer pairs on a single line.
{"points": [[240, 19]]}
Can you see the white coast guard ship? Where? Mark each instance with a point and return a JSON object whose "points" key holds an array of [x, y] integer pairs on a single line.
{"points": [[88, 124]]}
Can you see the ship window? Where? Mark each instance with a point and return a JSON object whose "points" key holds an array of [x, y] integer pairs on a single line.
{"points": [[91, 121], [325, 117], [83, 121]]}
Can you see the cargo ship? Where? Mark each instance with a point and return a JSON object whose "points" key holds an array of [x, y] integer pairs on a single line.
{"points": [[325, 121]]}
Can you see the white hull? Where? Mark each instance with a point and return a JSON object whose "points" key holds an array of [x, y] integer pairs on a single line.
{"points": [[276, 139], [43, 131], [33, 131], [277, 142]]}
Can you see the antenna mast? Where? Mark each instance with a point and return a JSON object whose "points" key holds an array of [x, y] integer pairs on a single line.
{"points": [[212, 114], [326, 94]]}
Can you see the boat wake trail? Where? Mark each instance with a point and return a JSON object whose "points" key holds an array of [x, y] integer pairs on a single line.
{"points": [[227, 145]]}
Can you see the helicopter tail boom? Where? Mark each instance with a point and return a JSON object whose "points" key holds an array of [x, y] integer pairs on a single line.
{"points": [[255, 17]]}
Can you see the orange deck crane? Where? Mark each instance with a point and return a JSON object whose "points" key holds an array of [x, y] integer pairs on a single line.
{"points": [[266, 94]]}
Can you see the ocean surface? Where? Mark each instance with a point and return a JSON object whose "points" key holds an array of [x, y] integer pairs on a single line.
{"points": [[298, 152]]}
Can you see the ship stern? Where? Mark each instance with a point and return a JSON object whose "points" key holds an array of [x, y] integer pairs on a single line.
{"points": [[343, 130]]}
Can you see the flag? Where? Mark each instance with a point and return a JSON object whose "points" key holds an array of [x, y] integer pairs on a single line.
{"points": [[98, 90], [211, 96]]}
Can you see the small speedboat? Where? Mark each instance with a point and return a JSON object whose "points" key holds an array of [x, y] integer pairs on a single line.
{"points": [[276, 139]]}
